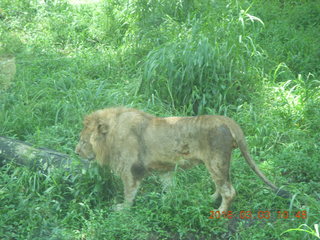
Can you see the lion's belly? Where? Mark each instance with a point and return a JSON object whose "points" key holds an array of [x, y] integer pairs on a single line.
{"points": [[189, 162], [169, 163]]}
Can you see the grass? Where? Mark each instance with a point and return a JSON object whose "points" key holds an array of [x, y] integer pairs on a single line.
{"points": [[254, 61]]}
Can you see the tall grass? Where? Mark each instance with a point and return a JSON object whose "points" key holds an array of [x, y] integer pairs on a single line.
{"points": [[201, 70], [255, 61]]}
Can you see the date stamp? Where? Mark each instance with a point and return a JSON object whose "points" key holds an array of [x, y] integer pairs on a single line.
{"points": [[264, 214]]}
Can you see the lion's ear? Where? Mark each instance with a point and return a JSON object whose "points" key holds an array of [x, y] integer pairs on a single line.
{"points": [[103, 128]]}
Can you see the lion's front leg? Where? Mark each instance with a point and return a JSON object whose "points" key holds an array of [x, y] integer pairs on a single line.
{"points": [[131, 186]]}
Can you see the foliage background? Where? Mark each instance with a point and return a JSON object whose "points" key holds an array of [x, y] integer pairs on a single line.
{"points": [[255, 61]]}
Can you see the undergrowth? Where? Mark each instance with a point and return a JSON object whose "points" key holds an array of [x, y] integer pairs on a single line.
{"points": [[255, 61]]}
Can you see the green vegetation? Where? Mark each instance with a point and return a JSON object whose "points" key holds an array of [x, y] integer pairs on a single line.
{"points": [[255, 61]]}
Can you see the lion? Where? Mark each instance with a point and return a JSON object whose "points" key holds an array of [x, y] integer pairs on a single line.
{"points": [[134, 144]]}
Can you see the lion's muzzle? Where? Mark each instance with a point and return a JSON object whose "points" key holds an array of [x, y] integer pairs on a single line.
{"points": [[84, 153]]}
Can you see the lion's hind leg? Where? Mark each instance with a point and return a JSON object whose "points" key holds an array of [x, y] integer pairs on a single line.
{"points": [[227, 193], [221, 145], [216, 195], [219, 170]]}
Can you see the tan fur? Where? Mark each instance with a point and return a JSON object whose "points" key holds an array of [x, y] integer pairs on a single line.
{"points": [[134, 143]]}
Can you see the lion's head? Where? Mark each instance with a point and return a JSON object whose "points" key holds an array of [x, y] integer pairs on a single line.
{"points": [[84, 147], [94, 137]]}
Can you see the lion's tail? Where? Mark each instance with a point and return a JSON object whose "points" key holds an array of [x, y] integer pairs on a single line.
{"points": [[244, 150], [241, 142]]}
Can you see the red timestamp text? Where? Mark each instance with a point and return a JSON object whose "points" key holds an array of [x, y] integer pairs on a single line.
{"points": [[264, 214]]}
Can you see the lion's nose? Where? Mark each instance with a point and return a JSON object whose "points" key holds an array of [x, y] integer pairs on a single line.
{"points": [[77, 150]]}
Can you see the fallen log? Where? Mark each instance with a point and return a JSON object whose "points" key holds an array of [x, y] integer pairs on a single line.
{"points": [[22, 153]]}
